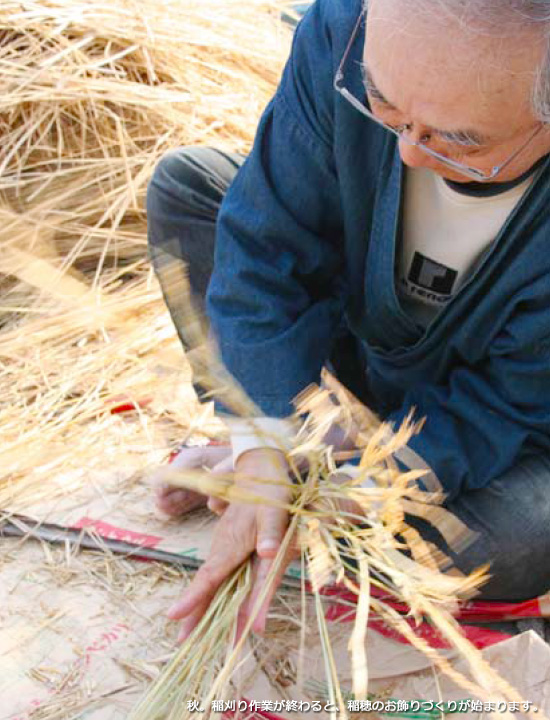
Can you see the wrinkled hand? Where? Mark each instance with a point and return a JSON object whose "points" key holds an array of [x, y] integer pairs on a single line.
{"points": [[175, 501], [243, 530]]}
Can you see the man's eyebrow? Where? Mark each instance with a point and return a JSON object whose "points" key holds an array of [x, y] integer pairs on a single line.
{"points": [[467, 138], [371, 88]]}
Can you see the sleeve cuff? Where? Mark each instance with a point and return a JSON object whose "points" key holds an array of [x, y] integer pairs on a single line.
{"points": [[263, 432]]}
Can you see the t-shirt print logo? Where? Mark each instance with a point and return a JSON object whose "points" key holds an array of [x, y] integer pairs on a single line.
{"points": [[432, 275]]}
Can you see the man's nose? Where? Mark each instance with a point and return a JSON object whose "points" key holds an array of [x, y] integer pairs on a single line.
{"points": [[413, 156]]}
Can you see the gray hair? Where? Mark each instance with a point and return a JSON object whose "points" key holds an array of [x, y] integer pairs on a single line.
{"points": [[494, 15]]}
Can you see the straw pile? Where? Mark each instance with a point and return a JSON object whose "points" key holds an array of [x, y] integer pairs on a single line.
{"points": [[91, 95]]}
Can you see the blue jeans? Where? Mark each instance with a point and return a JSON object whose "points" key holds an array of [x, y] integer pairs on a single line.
{"points": [[510, 517]]}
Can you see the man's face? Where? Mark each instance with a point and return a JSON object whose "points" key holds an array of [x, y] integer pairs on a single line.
{"points": [[469, 90]]}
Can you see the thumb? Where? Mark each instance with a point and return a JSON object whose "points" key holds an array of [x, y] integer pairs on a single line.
{"points": [[216, 505], [224, 467], [272, 525]]}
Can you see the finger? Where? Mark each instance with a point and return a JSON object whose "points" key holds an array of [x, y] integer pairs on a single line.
{"points": [[247, 606], [228, 552], [176, 502], [272, 525], [224, 467], [217, 505], [263, 569], [201, 590], [292, 553], [173, 500], [190, 623], [188, 457], [260, 572]]}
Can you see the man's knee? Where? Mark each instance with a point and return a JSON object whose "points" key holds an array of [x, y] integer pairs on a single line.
{"points": [[195, 177], [174, 202], [511, 517], [173, 180], [187, 188]]}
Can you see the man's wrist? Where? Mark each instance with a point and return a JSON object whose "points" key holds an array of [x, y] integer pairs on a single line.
{"points": [[248, 434], [273, 457]]}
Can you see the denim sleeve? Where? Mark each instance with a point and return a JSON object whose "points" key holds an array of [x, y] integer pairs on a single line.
{"points": [[486, 416], [273, 300]]}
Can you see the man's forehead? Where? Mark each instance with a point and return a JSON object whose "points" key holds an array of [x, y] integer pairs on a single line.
{"points": [[448, 73]]}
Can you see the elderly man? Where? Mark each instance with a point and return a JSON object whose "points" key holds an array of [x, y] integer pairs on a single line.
{"points": [[393, 219]]}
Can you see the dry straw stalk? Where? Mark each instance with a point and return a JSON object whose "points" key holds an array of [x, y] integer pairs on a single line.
{"points": [[92, 94]]}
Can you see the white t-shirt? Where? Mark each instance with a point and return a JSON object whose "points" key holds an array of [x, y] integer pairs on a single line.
{"points": [[445, 236]]}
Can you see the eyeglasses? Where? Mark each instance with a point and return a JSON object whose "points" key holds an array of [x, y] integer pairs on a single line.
{"points": [[469, 172]]}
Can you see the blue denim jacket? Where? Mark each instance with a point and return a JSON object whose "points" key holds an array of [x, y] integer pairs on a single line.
{"points": [[306, 243]]}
